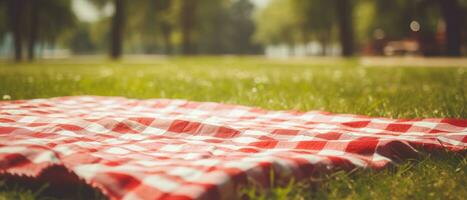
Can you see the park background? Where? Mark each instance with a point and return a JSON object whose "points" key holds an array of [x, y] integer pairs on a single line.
{"points": [[34, 29], [201, 50]]}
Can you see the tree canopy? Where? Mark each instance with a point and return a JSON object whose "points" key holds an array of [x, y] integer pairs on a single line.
{"points": [[233, 26]]}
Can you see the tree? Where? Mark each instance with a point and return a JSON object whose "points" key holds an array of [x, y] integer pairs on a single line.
{"points": [[278, 23], [165, 22], [117, 25], [3, 15], [344, 9], [117, 29], [452, 16], [316, 19], [33, 23], [241, 27], [45, 24], [80, 41], [394, 18], [187, 21], [37, 21], [150, 26], [158, 21], [217, 27], [15, 10], [212, 31]]}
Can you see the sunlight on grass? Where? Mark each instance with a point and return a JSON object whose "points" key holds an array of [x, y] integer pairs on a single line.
{"points": [[340, 86]]}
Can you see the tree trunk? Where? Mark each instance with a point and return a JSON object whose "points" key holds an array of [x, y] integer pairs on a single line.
{"points": [[324, 41], [452, 17], [345, 25], [117, 30], [33, 20], [187, 21], [16, 8], [167, 31]]}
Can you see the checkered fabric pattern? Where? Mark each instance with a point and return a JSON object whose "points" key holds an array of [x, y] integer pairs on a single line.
{"points": [[175, 149]]}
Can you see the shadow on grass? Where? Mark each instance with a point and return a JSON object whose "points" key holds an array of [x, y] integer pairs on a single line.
{"points": [[436, 175], [54, 183]]}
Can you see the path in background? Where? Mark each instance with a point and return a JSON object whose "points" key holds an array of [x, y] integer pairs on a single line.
{"points": [[413, 62], [328, 61]]}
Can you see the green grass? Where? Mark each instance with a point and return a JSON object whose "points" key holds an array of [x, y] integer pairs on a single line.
{"points": [[442, 176], [341, 86]]}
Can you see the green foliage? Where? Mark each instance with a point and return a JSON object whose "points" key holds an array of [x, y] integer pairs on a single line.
{"points": [[317, 18], [225, 27], [394, 17], [79, 40], [54, 17], [299, 22], [278, 23], [243, 27], [147, 22], [212, 26], [364, 18], [153, 26]]}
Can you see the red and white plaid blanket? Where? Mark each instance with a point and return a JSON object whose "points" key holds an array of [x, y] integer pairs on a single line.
{"points": [[175, 149]]}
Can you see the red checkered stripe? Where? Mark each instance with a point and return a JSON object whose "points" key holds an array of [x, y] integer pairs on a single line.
{"points": [[176, 149]]}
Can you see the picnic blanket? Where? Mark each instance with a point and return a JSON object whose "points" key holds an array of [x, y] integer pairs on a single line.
{"points": [[176, 149]]}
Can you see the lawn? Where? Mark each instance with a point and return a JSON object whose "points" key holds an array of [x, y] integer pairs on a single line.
{"points": [[335, 85]]}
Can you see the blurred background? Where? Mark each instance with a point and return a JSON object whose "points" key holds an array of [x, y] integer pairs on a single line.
{"points": [[40, 29]]}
